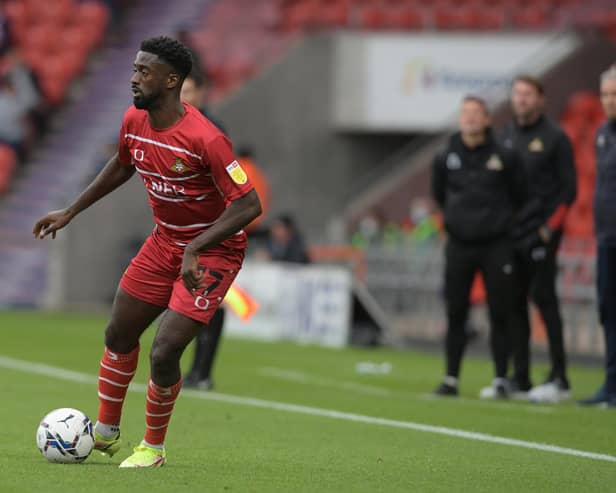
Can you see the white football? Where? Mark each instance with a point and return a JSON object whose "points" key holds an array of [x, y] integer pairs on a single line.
{"points": [[65, 435]]}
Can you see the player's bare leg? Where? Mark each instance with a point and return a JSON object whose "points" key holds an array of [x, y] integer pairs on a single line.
{"points": [[130, 317], [175, 332]]}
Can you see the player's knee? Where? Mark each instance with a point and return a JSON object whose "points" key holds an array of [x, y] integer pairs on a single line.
{"points": [[117, 341], [163, 358]]}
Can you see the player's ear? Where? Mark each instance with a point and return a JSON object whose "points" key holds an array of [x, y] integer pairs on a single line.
{"points": [[173, 80]]}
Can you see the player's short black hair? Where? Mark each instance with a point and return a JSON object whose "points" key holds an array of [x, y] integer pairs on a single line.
{"points": [[477, 99], [170, 51], [530, 80]]}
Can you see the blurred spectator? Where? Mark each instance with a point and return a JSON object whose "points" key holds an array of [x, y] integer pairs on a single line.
{"points": [[18, 97], [194, 92], [369, 231], [605, 230], [423, 225], [285, 243], [547, 155], [480, 186], [258, 179]]}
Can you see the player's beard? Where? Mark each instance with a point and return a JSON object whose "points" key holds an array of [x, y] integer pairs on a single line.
{"points": [[143, 102]]}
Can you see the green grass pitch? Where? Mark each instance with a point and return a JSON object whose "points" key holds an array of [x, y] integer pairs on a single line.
{"points": [[228, 444]]}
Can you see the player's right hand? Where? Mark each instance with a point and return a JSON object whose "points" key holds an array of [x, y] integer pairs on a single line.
{"points": [[51, 223]]}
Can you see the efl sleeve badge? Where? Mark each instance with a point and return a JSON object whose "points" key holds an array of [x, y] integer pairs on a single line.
{"points": [[237, 174]]}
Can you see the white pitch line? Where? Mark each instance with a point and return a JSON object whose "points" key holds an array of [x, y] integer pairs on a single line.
{"points": [[305, 378], [317, 381], [63, 374]]}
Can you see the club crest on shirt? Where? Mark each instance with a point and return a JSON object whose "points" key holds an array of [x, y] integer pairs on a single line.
{"points": [[535, 145], [453, 161], [601, 140], [494, 163], [178, 166], [237, 174]]}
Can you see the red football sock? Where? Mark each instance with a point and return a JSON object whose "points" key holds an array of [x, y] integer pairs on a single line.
{"points": [[158, 410], [116, 372]]}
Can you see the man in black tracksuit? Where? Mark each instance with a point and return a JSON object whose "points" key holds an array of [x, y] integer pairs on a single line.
{"points": [[605, 230], [479, 185], [208, 339], [549, 166]]}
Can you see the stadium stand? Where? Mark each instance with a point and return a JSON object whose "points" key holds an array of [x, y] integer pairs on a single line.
{"points": [[55, 39], [240, 37]]}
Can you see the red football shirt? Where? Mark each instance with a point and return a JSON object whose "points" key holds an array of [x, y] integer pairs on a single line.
{"points": [[189, 171]]}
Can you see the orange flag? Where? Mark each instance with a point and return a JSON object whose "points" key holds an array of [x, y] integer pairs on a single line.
{"points": [[241, 302]]}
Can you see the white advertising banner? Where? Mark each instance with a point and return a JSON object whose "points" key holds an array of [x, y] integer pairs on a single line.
{"points": [[308, 304], [415, 82]]}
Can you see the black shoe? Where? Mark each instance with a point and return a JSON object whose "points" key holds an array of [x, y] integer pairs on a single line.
{"points": [[498, 390], [601, 398], [561, 380], [446, 390], [518, 386], [192, 381]]}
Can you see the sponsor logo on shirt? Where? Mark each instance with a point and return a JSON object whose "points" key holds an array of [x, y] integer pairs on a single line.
{"points": [[535, 145], [179, 166], [237, 174], [453, 161], [494, 163]]}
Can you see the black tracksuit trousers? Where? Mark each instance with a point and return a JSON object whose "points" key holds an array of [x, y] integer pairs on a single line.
{"points": [[495, 261]]}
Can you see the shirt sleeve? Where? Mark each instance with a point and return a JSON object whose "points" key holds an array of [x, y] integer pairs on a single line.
{"points": [[567, 179], [123, 150], [227, 173]]}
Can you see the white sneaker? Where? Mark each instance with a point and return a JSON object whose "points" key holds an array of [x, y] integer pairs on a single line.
{"points": [[498, 390], [549, 392]]}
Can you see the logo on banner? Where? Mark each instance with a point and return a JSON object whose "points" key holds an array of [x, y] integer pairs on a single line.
{"points": [[422, 73], [237, 174]]}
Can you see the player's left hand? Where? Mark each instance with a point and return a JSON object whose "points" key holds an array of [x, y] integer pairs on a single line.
{"points": [[191, 274]]}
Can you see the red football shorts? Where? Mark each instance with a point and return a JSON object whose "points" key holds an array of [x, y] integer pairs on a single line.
{"points": [[153, 276]]}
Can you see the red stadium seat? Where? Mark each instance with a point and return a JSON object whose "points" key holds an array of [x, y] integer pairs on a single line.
{"points": [[333, 13], [54, 90], [58, 12], [585, 103], [8, 162], [17, 12], [372, 17], [447, 18], [405, 18], [94, 16], [483, 18], [580, 120], [41, 37], [532, 17], [300, 16]]}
